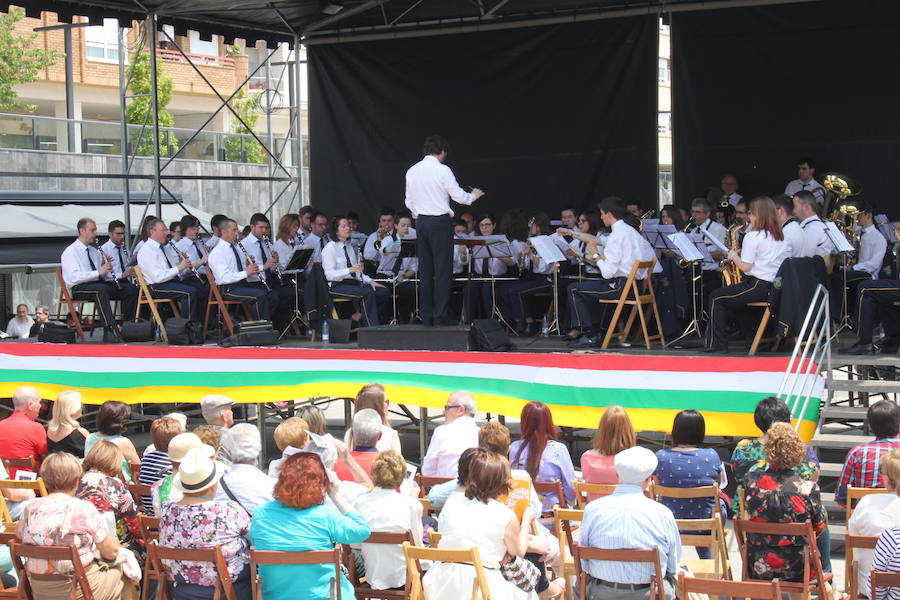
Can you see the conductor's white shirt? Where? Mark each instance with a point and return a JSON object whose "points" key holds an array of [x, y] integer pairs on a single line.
{"points": [[429, 185], [226, 267], [156, 265]]}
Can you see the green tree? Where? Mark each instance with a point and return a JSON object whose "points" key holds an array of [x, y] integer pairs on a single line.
{"points": [[20, 62], [138, 112], [246, 106]]}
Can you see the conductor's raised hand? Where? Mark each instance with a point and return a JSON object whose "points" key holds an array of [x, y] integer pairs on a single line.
{"points": [[477, 192]]}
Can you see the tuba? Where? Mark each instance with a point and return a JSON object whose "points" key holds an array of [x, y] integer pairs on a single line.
{"points": [[731, 273], [843, 211]]}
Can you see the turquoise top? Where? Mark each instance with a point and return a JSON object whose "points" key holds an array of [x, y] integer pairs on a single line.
{"points": [[93, 438], [278, 527]]}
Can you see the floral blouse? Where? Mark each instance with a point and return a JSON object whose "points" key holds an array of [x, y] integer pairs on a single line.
{"points": [[750, 455], [109, 495], [61, 521], [216, 523], [780, 497]]}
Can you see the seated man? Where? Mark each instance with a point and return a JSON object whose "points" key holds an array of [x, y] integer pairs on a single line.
{"points": [[628, 519], [161, 270], [861, 467], [366, 433], [20, 437], [875, 304], [458, 433]]}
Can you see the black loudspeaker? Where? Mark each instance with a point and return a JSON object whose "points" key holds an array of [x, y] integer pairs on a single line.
{"points": [[184, 332], [138, 331], [339, 331], [57, 334], [487, 335], [252, 333]]}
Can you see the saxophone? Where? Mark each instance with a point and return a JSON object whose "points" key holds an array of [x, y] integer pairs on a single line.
{"points": [[731, 273]]}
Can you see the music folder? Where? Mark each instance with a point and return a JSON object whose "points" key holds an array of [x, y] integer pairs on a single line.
{"points": [[299, 259]]}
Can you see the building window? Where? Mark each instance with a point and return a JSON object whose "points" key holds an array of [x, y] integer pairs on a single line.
{"points": [[662, 70], [664, 123], [198, 46], [101, 43]]}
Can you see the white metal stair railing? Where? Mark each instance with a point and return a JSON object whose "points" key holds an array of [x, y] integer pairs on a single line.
{"points": [[813, 347]]}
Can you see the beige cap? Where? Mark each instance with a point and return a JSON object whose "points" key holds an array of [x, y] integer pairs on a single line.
{"points": [[182, 443], [210, 405], [197, 472]]}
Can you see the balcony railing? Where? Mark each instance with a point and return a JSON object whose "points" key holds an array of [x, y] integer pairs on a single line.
{"points": [[26, 132], [198, 59]]}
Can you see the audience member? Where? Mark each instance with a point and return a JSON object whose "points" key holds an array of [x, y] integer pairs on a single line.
{"points": [[886, 559], [163, 491], [156, 464], [628, 519], [315, 419], [476, 518], [862, 462], [448, 441], [330, 451], [42, 318], [244, 482], [298, 520], [15, 499], [541, 456], [212, 437], [780, 495], [180, 417], [101, 487], [372, 395], [112, 425], [385, 509], [291, 436], [875, 513], [216, 409], [60, 519], [366, 431], [615, 433], [20, 435], [20, 325], [64, 433], [199, 521]]}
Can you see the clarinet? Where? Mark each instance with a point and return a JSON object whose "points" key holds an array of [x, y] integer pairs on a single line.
{"points": [[108, 259], [184, 256], [276, 268], [359, 261], [250, 259]]}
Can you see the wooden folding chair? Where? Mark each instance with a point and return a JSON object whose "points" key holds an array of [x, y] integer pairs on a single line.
{"points": [[139, 492], [135, 469], [157, 554], [6, 520], [425, 483], [813, 576], [742, 501], [6, 539], [10, 464], [761, 329], [632, 295], [855, 493], [312, 557], [434, 538], [851, 564], [150, 533], [215, 297], [76, 307], [37, 485], [415, 554], [712, 588], [706, 533], [363, 588], [77, 579], [149, 527], [583, 489], [883, 579], [543, 488], [619, 555], [144, 297], [562, 522]]}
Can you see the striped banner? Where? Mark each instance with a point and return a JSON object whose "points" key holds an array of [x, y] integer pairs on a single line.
{"points": [[576, 387]]}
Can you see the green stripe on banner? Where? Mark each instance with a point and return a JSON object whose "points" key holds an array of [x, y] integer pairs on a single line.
{"points": [[663, 399]]}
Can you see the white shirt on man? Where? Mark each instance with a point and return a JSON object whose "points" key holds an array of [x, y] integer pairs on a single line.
{"points": [[732, 199], [387, 258], [429, 183], [765, 253], [719, 232], [623, 247], [250, 486], [76, 268], [388, 511], [225, 267], [581, 246], [194, 250], [119, 256], [872, 247], [815, 240], [18, 329], [810, 186], [793, 236], [447, 443], [256, 248], [156, 264]]}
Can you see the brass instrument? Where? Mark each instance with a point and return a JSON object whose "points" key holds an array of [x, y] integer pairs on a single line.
{"points": [[843, 212], [184, 256], [731, 272], [107, 259], [648, 215], [250, 259], [276, 267]]}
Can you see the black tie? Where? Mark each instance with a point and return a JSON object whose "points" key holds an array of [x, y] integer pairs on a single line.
{"points": [[322, 243], [91, 262], [262, 250], [166, 256], [196, 245], [347, 256], [397, 264], [484, 267], [121, 258], [237, 258]]}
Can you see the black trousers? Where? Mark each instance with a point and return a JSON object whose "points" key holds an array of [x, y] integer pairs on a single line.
{"points": [[434, 239], [190, 303], [726, 301], [256, 296], [837, 293], [101, 292], [875, 304], [369, 298], [586, 312], [513, 295]]}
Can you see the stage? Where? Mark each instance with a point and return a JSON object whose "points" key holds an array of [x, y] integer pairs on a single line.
{"points": [[653, 386]]}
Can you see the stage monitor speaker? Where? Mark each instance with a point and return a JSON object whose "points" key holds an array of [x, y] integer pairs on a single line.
{"points": [[414, 337], [252, 333], [56, 334], [339, 331], [488, 335]]}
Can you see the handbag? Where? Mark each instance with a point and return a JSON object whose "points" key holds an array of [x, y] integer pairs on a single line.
{"points": [[520, 572]]}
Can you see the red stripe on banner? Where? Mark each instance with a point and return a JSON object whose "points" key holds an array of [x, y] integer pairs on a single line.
{"points": [[594, 362]]}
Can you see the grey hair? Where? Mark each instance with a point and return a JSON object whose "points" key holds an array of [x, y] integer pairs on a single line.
{"points": [[806, 197], [466, 400], [366, 427], [41, 308], [244, 443], [25, 395], [701, 203]]}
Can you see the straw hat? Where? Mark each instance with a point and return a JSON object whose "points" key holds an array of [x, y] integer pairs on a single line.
{"points": [[197, 472], [182, 443]]}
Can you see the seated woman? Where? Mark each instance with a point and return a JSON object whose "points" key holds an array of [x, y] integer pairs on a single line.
{"points": [[291, 436], [476, 518], [60, 519], [372, 395], [385, 509], [164, 490], [101, 487], [298, 520], [155, 465], [315, 419], [397, 273], [112, 425], [64, 433], [541, 456], [200, 521], [478, 299], [244, 482], [874, 514], [615, 433], [516, 297]]}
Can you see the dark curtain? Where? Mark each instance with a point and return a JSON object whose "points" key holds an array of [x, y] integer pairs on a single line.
{"points": [[755, 89], [537, 117]]}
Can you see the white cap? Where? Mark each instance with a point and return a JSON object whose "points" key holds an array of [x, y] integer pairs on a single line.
{"points": [[635, 464], [184, 442]]}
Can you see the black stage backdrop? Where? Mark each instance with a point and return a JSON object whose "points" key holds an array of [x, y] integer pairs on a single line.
{"points": [[537, 117], [755, 89]]}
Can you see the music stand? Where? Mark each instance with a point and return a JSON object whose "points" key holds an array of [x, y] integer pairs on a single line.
{"points": [[496, 246], [296, 264], [470, 244], [406, 249], [844, 248], [693, 250], [550, 253]]}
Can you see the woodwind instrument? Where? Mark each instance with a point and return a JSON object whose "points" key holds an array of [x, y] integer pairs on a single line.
{"points": [[250, 259], [107, 259], [184, 256], [276, 267], [731, 273], [359, 261]]}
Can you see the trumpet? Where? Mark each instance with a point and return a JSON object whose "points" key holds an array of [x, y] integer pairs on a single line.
{"points": [[184, 256], [648, 214], [276, 267], [107, 259], [250, 259]]}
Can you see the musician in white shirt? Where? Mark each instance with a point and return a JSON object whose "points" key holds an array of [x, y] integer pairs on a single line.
{"points": [[399, 272], [872, 247], [806, 169], [729, 185], [534, 277], [386, 221], [815, 240], [89, 277], [230, 268], [191, 246], [761, 255], [116, 249], [161, 268], [790, 228], [344, 272], [258, 244], [478, 295], [216, 225]]}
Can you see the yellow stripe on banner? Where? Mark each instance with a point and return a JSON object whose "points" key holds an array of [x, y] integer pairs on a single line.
{"points": [[586, 417]]}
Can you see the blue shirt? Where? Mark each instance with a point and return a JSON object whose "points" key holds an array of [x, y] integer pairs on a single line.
{"points": [[555, 465], [685, 469], [278, 527], [627, 519]]}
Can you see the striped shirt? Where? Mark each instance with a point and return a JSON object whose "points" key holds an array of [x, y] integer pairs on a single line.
{"points": [[887, 558], [154, 466], [862, 466], [626, 519]]}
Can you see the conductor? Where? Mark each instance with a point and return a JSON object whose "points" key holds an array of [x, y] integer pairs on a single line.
{"points": [[429, 186]]}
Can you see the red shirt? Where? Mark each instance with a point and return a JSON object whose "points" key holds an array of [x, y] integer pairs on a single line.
{"points": [[21, 437], [365, 458]]}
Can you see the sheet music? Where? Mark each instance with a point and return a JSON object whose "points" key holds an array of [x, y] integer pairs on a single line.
{"points": [[887, 230], [650, 222], [685, 247], [714, 241], [560, 242], [496, 246], [546, 249], [658, 234], [837, 237]]}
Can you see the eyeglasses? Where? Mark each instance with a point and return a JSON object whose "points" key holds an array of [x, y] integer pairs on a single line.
{"points": [[449, 406]]}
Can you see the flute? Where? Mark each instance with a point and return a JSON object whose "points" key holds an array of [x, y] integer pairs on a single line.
{"points": [[184, 256], [276, 267], [106, 258], [250, 259]]}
